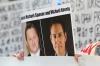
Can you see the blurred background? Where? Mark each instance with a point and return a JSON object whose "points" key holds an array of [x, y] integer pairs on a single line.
{"points": [[85, 19]]}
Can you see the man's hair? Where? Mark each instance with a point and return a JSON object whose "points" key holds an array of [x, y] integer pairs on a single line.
{"points": [[55, 22], [63, 28], [30, 25]]}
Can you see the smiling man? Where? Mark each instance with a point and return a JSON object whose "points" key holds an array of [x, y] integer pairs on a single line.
{"points": [[32, 39]]}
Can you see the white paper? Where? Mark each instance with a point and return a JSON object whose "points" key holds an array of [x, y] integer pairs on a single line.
{"points": [[38, 61]]}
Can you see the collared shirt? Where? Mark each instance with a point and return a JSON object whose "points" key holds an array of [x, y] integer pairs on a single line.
{"points": [[36, 54], [64, 55]]}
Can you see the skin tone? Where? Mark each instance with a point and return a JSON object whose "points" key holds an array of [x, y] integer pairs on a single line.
{"points": [[32, 43], [56, 30], [32, 40], [58, 39]]}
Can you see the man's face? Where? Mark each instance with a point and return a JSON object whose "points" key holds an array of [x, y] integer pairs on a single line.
{"points": [[32, 40], [58, 39]]}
